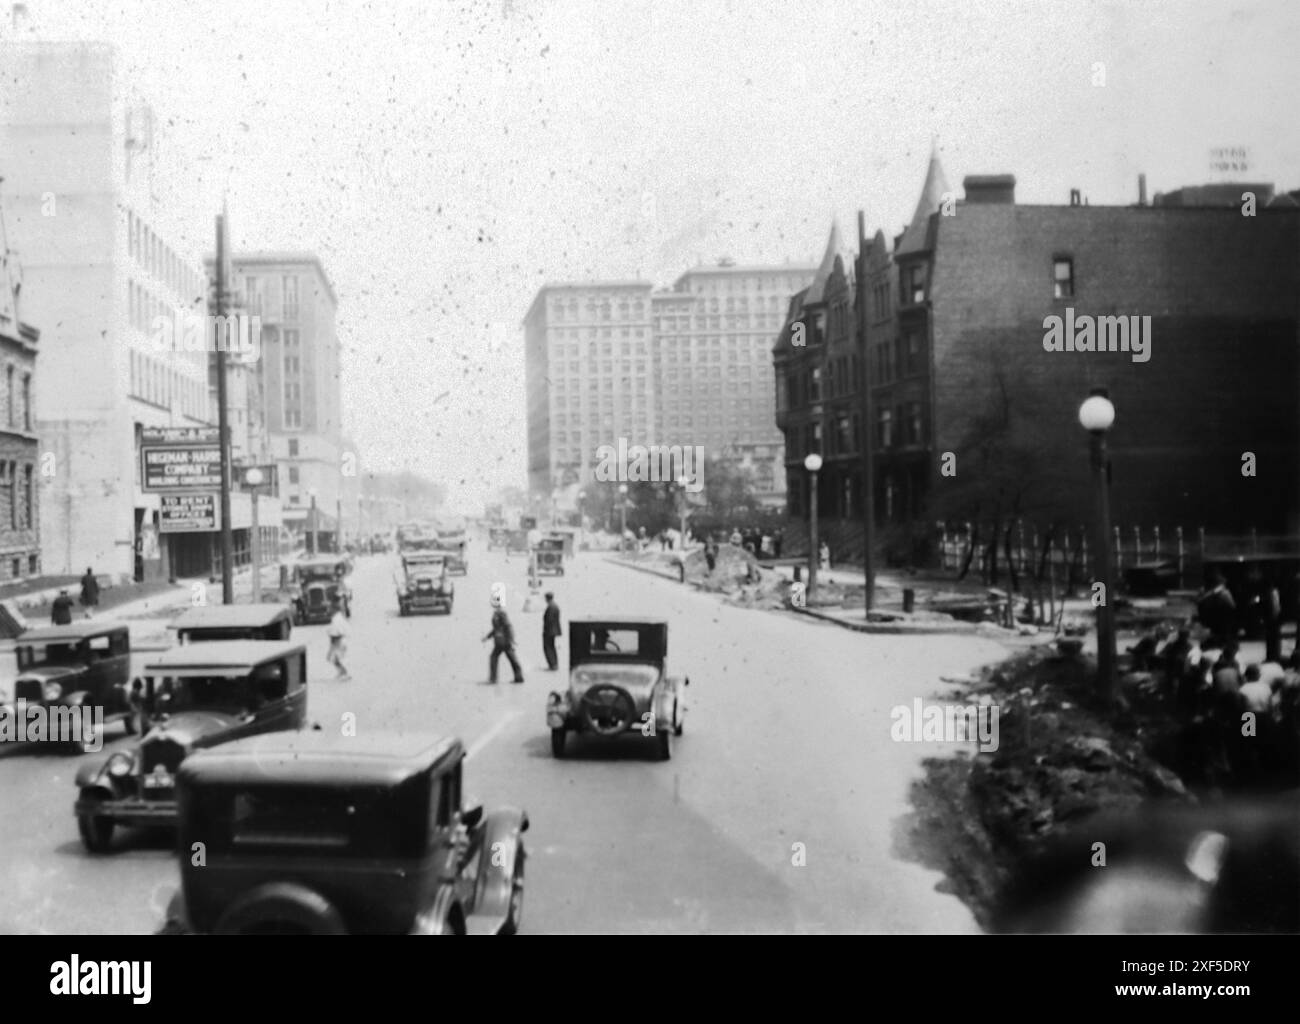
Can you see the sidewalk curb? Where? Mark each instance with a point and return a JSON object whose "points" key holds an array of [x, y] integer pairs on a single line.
{"points": [[895, 628]]}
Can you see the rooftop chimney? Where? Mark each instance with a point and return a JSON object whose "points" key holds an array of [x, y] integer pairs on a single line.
{"points": [[990, 188]]}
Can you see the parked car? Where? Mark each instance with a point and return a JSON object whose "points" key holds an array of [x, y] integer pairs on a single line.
{"points": [[82, 664], [195, 696], [619, 683], [317, 582], [548, 557], [315, 833], [424, 584], [234, 622], [498, 538]]}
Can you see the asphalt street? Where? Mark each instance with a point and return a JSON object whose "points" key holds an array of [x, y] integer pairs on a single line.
{"points": [[779, 811]]}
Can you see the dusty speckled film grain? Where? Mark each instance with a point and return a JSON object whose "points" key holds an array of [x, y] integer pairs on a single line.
{"points": [[793, 468]]}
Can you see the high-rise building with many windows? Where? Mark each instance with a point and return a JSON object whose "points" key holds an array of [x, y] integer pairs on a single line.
{"points": [[688, 365]]}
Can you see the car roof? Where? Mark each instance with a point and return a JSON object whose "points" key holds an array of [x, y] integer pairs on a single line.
{"points": [[322, 758], [618, 620], [71, 631], [223, 655], [224, 615]]}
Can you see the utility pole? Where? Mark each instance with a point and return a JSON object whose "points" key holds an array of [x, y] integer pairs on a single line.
{"points": [[868, 425], [223, 419]]}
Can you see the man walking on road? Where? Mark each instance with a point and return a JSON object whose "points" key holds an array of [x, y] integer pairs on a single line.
{"points": [[89, 592], [61, 610], [550, 630], [502, 635]]}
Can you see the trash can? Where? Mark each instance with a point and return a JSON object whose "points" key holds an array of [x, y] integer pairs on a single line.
{"points": [[909, 600]]}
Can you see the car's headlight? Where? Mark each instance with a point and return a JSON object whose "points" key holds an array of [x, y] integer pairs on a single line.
{"points": [[120, 765], [52, 691]]}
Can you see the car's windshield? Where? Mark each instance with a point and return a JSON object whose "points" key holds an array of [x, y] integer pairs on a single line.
{"points": [[209, 693], [63, 653]]}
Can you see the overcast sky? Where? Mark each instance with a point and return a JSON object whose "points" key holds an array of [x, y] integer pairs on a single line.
{"points": [[444, 159]]}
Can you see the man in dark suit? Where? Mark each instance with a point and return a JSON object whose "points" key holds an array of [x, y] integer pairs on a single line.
{"points": [[502, 635], [550, 630]]}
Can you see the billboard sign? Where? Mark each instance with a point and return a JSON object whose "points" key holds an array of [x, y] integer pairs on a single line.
{"points": [[189, 513]]}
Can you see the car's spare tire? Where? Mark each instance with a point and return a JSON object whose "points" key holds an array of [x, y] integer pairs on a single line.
{"points": [[281, 908], [607, 710]]}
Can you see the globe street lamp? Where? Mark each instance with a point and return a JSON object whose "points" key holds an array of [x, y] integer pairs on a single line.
{"points": [[1096, 415], [253, 480], [813, 463]]}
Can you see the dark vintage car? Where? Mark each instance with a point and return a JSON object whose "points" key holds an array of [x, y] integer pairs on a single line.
{"points": [[195, 696], [82, 664], [316, 583], [314, 833], [548, 557], [424, 584], [619, 683], [234, 622], [498, 538]]}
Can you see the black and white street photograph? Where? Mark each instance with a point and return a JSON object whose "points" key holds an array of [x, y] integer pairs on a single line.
{"points": [[747, 468]]}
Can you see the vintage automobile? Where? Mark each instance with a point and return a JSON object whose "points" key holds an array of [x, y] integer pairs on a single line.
{"points": [[315, 833], [316, 583], [195, 696], [423, 584], [498, 538], [619, 683], [453, 547], [81, 664], [548, 556], [234, 622]]}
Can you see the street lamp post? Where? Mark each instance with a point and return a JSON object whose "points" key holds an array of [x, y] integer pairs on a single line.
{"points": [[253, 479], [622, 507], [813, 463], [311, 525], [1096, 415], [682, 481]]}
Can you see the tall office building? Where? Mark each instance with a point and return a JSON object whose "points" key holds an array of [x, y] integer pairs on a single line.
{"points": [[298, 381], [95, 204], [689, 365]]}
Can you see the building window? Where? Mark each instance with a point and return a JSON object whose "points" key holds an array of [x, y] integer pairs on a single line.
{"points": [[27, 497], [252, 295], [885, 429], [912, 351], [291, 339], [914, 423], [1063, 277], [293, 419], [27, 402], [293, 447], [291, 298], [293, 474]]}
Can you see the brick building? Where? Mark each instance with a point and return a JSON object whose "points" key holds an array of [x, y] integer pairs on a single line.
{"points": [[20, 537], [957, 315]]}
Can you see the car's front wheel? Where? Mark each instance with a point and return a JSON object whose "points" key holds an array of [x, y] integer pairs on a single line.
{"points": [[558, 737], [96, 829]]}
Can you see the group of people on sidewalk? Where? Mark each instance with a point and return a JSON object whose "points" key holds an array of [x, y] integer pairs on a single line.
{"points": [[61, 607]]}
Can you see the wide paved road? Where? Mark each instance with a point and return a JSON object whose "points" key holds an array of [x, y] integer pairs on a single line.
{"points": [[787, 742]]}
